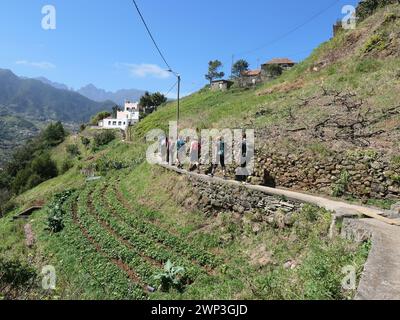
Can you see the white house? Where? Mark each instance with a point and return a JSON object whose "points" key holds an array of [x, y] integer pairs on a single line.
{"points": [[124, 119]]}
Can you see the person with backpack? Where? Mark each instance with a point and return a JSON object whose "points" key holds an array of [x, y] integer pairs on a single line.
{"points": [[242, 172], [194, 155], [181, 150], [220, 146]]}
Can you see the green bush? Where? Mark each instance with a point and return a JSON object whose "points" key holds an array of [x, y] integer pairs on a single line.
{"points": [[53, 135], [72, 150], [66, 165], [103, 138], [377, 42], [85, 141], [100, 116], [340, 187], [274, 70], [16, 274], [56, 212]]}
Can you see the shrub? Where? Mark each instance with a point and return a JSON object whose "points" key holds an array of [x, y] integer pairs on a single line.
{"points": [[104, 164], [55, 218], [16, 274], [53, 135], [66, 165], [100, 116], [376, 42], [72, 150], [340, 187], [85, 141], [44, 166], [103, 138], [274, 70]]}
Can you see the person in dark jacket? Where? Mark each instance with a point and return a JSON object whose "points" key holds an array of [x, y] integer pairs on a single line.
{"points": [[220, 146]]}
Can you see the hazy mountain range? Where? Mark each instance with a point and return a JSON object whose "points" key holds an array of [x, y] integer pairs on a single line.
{"points": [[26, 105], [119, 97], [91, 92]]}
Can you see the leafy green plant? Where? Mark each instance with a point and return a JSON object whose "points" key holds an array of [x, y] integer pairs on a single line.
{"points": [[340, 187], [171, 277], [377, 42], [56, 212], [396, 178]]}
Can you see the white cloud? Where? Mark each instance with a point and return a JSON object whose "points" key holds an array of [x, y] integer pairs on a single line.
{"points": [[145, 70], [40, 65]]}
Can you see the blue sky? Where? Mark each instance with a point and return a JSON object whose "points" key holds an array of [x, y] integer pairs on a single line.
{"points": [[104, 42]]}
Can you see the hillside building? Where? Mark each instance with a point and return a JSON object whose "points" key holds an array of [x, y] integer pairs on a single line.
{"points": [[128, 117], [222, 85], [250, 78]]}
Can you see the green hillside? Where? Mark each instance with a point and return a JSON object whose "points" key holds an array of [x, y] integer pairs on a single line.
{"points": [[109, 238]]}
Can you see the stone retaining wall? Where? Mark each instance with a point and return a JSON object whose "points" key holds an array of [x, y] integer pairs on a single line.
{"points": [[217, 195], [370, 175]]}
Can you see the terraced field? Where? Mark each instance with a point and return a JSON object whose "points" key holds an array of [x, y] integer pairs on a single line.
{"points": [[112, 246], [120, 249]]}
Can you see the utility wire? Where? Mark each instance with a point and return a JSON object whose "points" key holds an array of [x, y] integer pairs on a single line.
{"points": [[151, 36], [292, 30], [172, 88]]}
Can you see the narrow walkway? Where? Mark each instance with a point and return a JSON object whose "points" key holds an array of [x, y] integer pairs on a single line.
{"points": [[341, 209], [381, 276]]}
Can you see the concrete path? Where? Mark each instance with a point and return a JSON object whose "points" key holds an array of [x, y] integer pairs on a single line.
{"points": [[381, 276], [341, 208]]}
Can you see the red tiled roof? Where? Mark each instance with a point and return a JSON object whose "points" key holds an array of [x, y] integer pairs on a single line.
{"points": [[280, 61], [251, 73]]}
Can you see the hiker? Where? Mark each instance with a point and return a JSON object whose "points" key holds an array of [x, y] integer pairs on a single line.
{"points": [[167, 146], [194, 155], [181, 150], [163, 148], [242, 172], [220, 157]]}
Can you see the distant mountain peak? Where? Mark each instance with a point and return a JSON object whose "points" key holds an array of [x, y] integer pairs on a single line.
{"points": [[92, 92], [53, 84]]}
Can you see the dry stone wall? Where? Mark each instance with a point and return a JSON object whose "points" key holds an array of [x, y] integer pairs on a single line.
{"points": [[218, 195], [370, 176]]}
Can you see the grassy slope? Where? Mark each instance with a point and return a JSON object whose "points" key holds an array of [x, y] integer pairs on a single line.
{"points": [[373, 76], [145, 187]]}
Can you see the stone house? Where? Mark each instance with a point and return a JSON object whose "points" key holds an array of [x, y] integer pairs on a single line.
{"points": [[284, 63], [222, 85], [250, 78]]}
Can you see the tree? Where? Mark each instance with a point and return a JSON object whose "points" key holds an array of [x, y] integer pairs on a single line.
{"points": [[146, 100], [115, 110], [54, 134], [214, 71], [100, 116], [44, 166], [152, 100], [274, 70], [239, 67], [158, 99]]}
